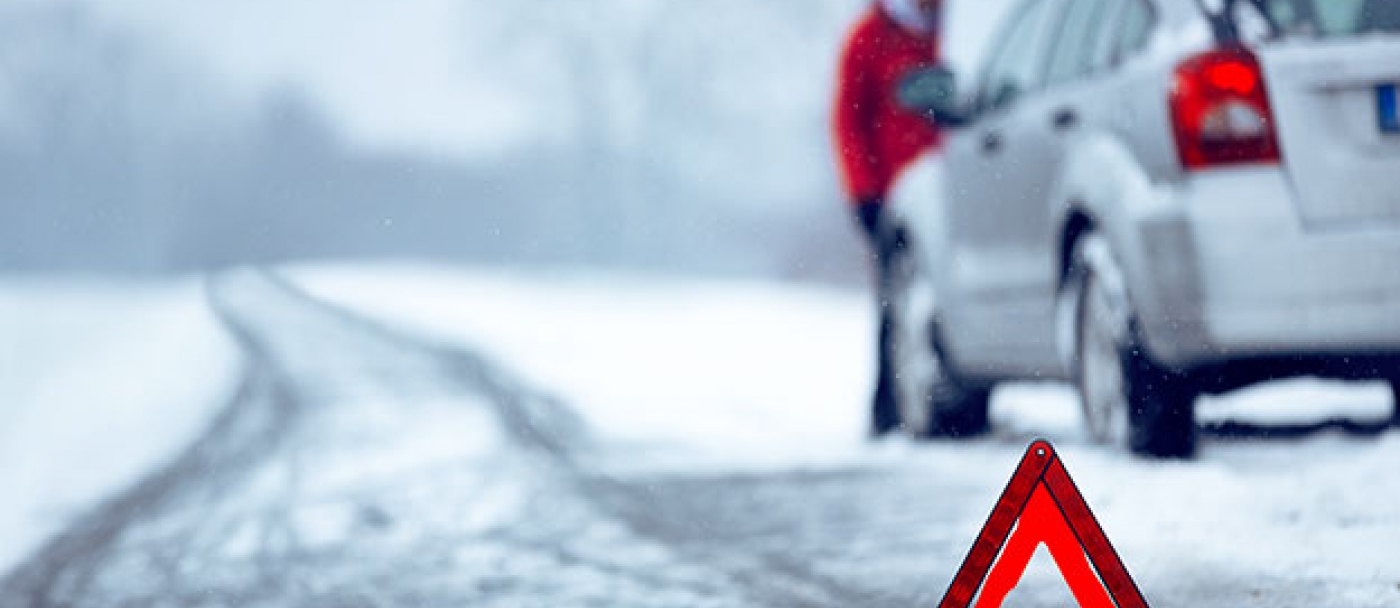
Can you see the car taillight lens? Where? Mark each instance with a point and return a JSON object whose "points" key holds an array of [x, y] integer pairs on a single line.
{"points": [[1220, 111]]}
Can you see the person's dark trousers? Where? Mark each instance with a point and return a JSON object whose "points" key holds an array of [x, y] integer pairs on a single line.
{"points": [[884, 246]]}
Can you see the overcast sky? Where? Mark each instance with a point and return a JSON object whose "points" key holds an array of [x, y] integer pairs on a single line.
{"points": [[405, 85], [391, 73]]}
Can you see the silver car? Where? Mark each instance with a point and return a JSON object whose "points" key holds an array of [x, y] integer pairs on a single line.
{"points": [[1155, 199]]}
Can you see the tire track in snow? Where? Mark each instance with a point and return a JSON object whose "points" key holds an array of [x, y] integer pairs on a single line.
{"points": [[170, 539]]}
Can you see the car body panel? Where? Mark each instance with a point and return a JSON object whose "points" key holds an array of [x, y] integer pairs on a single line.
{"points": [[1233, 272], [1324, 95]]}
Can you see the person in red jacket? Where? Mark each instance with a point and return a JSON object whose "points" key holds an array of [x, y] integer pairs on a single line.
{"points": [[876, 138]]}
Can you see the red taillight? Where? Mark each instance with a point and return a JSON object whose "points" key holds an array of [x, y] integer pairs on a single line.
{"points": [[1221, 112]]}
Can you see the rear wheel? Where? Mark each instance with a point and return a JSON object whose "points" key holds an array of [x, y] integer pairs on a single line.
{"points": [[1395, 409], [1128, 399], [931, 401]]}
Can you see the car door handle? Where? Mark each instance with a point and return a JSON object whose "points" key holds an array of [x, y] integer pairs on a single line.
{"points": [[992, 143], [1064, 119]]}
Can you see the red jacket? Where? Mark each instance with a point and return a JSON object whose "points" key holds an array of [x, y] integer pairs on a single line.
{"points": [[875, 137]]}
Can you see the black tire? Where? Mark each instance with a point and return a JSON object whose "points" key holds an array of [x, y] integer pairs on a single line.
{"points": [[1162, 414], [962, 416], [1395, 409], [930, 400], [1127, 397]]}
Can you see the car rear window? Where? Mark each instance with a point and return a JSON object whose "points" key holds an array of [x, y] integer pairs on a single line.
{"points": [[1334, 17]]}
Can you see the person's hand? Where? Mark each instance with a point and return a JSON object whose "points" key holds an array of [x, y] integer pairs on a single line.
{"points": [[869, 213]]}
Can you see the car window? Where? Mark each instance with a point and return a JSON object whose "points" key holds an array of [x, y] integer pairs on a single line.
{"points": [[1076, 40], [1017, 64], [1334, 17], [1133, 29], [1104, 46]]}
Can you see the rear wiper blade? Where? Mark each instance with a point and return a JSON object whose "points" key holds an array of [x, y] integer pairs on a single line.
{"points": [[1223, 21]]}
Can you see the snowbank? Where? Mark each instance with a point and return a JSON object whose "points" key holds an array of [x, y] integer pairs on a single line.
{"points": [[99, 382]]}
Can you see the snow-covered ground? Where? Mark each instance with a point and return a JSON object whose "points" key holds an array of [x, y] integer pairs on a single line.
{"points": [[725, 433], [744, 369], [749, 373], [748, 376], [100, 381]]}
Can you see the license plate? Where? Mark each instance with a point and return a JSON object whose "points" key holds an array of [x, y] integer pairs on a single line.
{"points": [[1386, 104]]}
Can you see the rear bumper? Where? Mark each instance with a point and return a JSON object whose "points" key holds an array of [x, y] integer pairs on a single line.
{"points": [[1227, 272]]}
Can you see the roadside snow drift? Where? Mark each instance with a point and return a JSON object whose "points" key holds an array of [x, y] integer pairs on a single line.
{"points": [[100, 381]]}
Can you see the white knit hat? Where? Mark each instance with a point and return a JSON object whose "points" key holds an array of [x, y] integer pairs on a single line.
{"points": [[909, 16]]}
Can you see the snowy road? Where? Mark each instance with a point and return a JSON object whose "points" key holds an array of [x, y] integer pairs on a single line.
{"points": [[363, 466]]}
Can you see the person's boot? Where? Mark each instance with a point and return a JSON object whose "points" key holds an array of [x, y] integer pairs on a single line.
{"points": [[884, 411], [884, 414]]}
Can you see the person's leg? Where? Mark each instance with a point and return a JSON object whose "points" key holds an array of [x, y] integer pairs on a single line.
{"points": [[884, 408]]}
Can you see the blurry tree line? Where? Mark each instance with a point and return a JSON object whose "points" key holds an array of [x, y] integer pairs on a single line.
{"points": [[673, 135]]}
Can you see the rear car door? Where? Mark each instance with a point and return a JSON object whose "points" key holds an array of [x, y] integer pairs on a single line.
{"points": [[1078, 101], [999, 170]]}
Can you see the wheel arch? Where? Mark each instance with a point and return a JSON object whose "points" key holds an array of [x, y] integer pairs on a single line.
{"points": [[1076, 224]]}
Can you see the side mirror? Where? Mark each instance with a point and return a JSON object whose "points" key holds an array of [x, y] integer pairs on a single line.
{"points": [[933, 91]]}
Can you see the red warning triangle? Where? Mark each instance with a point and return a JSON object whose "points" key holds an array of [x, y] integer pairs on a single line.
{"points": [[1041, 505]]}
